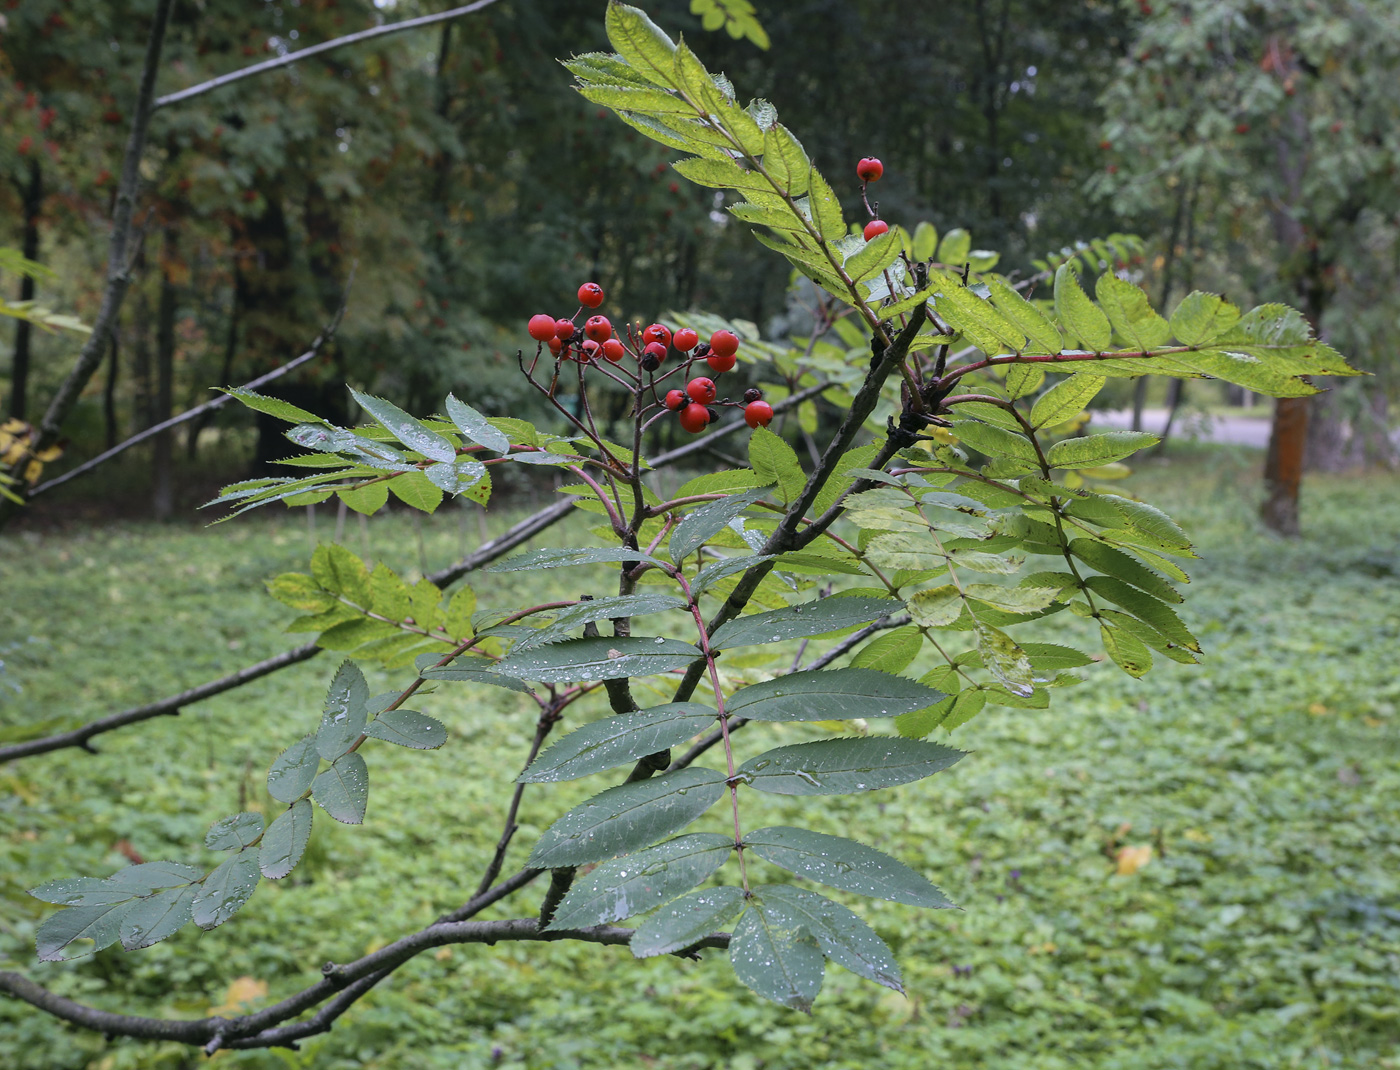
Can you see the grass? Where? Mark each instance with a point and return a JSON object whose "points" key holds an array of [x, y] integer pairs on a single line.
{"points": [[1264, 932]]}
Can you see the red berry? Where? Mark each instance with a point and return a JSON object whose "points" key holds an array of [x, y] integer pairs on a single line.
{"points": [[613, 350], [718, 363], [675, 399], [555, 345], [875, 228], [598, 328], [657, 332], [564, 329], [724, 343], [542, 328], [1242, 128], [758, 414], [1105, 144], [870, 169], [657, 350], [701, 390], [589, 351], [590, 295], [685, 340], [694, 418]]}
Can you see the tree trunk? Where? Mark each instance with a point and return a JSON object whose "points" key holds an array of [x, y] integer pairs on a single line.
{"points": [[19, 366], [1283, 467], [162, 459], [109, 393], [225, 375]]}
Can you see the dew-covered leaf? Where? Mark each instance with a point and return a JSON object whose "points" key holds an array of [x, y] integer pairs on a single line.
{"points": [[408, 728], [635, 883], [101, 924], [686, 921], [83, 892], [146, 877], [776, 956], [602, 658], [558, 558], [344, 716], [465, 670], [797, 622], [343, 789], [614, 740], [830, 694], [153, 919], [234, 833], [575, 617], [840, 766], [285, 840], [474, 426], [226, 890], [706, 521], [628, 817], [844, 864], [412, 433], [841, 935]]}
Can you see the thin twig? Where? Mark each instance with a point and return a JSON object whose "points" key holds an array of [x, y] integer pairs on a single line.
{"points": [[314, 50]]}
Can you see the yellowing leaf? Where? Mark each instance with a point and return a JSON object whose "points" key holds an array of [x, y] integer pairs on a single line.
{"points": [[241, 990], [1133, 858]]}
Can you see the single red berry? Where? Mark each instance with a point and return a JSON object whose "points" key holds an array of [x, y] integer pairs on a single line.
{"points": [[542, 328], [1242, 128], [718, 363], [753, 393], [1105, 144], [870, 169], [725, 343], [564, 329], [701, 390], [875, 228], [590, 295], [685, 340], [555, 345], [758, 414], [657, 350], [675, 399], [694, 418], [614, 350], [598, 328], [657, 332], [588, 351]]}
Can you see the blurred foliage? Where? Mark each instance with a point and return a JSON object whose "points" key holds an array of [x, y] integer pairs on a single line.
{"points": [[1258, 930]]}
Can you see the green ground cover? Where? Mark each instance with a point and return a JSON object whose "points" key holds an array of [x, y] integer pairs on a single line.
{"points": [[1264, 932]]}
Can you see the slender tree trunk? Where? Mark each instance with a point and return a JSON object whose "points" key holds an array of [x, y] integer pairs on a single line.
{"points": [[225, 373], [19, 367], [162, 460], [109, 393]]}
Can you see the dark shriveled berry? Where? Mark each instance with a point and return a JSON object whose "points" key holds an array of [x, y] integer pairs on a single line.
{"points": [[753, 393]]}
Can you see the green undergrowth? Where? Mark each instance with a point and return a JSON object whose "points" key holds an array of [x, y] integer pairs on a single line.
{"points": [[1264, 931]]}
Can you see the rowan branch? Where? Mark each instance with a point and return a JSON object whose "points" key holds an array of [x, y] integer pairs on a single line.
{"points": [[315, 50]]}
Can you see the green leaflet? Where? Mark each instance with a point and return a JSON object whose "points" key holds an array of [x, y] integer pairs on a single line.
{"points": [[408, 728], [1044, 337], [845, 864], [642, 43], [994, 441], [638, 882], [841, 766], [1004, 659], [594, 610], [1065, 399], [830, 694], [979, 321], [285, 840], [226, 890], [149, 921], [841, 935], [686, 921], [954, 247], [1094, 450], [727, 566], [628, 98], [800, 621], [411, 432], [604, 658], [536, 559], [1127, 651], [415, 489], [1078, 316], [1105, 558], [283, 410], [777, 957], [344, 716], [774, 461], [234, 833], [1130, 313], [101, 924], [293, 770], [936, 607], [892, 653], [614, 740], [1145, 608], [339, 571], [628, 817], [343, 789], [704, 522], [1203, 318]]}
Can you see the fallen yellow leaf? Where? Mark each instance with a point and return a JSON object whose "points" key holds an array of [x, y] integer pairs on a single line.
{"points": [[1317, 709], [1131, 859], [241, 990]]}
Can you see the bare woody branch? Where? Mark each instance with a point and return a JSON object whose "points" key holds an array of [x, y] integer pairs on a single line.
{"points": [[316, 50]]}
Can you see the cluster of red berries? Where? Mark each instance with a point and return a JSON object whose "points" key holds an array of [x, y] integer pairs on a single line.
{"points": [[691, 404]]}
